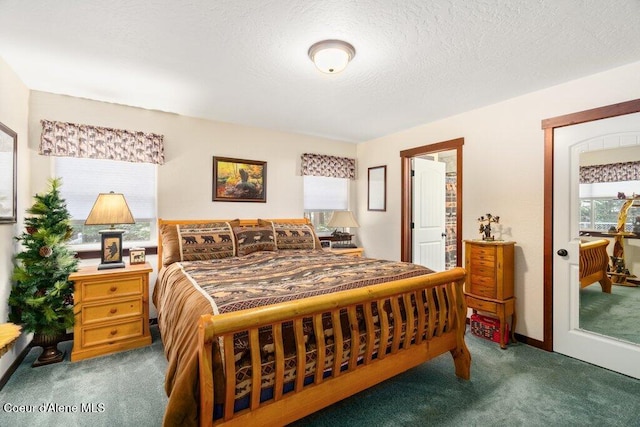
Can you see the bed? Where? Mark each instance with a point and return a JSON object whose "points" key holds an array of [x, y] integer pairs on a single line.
{"points": [[245, 305], [594, 264]]}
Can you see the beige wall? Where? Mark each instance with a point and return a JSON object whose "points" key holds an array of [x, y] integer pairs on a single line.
{"points": [[14, 109], [503, 167], [185, 180], [503, 174]]}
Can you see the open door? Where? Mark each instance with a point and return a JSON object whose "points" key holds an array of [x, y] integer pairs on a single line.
{"points": [[569, 337], [429, 228]]}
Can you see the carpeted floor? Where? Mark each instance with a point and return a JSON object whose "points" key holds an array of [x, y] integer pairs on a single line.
{"points": [[616, 314], [520, 386]]}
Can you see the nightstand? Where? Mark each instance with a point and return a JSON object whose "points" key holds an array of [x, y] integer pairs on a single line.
{"points": [[355, 252], [111, 310], [489, 282]]}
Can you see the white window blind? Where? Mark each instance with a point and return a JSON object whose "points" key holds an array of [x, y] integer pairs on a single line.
{"points": [[322, 193], [608, 189], [84, 179]]}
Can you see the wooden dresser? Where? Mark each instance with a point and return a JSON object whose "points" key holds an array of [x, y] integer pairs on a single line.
{"points": [[111, 310], [489, 286]]}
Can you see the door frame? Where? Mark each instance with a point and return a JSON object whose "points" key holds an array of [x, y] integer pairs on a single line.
{"points": [[406, 242], [548, 125]]}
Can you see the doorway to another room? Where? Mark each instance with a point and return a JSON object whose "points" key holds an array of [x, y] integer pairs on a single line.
{"points": [[431, 211]]}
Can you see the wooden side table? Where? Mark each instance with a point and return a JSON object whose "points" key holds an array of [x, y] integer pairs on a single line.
{"points": [[355, 252], [9, 333], [489, 285], [111, 310]]}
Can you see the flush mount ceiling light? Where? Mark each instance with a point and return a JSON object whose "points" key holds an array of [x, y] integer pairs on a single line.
{"points": [[331, 56]]}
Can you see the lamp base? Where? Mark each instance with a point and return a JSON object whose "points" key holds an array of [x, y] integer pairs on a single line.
{"points": [[111, 247], [111, 265]]}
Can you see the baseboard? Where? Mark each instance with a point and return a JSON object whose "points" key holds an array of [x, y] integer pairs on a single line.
{"points": [[530, 341], [523, 339], [14, 366]]}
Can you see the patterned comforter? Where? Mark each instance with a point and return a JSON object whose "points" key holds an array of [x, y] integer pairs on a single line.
{"points": [[187, 290]]}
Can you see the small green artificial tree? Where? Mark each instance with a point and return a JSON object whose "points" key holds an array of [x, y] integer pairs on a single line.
{"points": [[42, 296]]}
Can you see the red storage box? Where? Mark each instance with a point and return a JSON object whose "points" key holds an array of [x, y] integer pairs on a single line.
{"points": [[488, 327]]}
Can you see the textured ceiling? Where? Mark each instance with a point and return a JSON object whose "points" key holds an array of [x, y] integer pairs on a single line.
{"points": [[245, 61]]}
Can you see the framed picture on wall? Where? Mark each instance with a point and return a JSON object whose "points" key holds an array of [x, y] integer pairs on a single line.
{"points": [[237, 180], [377, 189], [8, 174]]}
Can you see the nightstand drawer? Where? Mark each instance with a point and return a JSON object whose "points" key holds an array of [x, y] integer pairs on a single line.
{"points": [[478, 304], [111, 288], [112, 310], [112, 333]]}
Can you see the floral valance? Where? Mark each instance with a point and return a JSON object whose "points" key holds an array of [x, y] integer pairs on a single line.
{"points": [[613, 172], [331, 166], [94, 142]]}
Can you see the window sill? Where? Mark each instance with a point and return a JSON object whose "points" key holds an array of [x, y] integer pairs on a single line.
{"points": [[603, 234], [90, 253]]}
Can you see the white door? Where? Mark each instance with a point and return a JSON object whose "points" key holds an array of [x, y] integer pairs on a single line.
{"points": [[429, 198], [568, 338]]}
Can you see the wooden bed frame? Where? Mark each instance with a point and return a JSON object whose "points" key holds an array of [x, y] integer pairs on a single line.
{"points": [[440, 331], [594, 264]]}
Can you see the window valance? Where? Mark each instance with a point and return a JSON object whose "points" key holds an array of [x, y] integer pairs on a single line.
{"points": [[612, 172], [329, 166], [75, 140]]}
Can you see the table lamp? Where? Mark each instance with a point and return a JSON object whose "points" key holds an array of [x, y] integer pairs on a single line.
{"points": [[110, 209], [342, 219]]}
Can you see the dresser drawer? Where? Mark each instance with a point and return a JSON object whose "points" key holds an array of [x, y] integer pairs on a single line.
{"points": [[484, 270], [92, 290], [92, 313], [483, 252], [112, 333], [478, 304], [483, 286]]}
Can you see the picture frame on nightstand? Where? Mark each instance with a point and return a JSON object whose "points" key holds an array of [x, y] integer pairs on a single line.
{"points": [[136, 256]]}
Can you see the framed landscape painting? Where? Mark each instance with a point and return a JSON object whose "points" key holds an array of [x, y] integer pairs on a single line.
{"points": [[237, 180]]}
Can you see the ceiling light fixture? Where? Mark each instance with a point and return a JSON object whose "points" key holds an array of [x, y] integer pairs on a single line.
{"points": [[331, 56]]}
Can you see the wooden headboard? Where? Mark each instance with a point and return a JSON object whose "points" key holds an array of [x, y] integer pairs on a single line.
{"points": [[243, 222]]}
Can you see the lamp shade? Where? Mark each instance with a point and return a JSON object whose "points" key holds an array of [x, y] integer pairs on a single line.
{"points": [[331, 56], [342, 219], [109, 209]]}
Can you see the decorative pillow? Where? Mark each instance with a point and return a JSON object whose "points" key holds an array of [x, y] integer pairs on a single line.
{"points": [[205, 241], [253, 239], [293, 236], [170, 244]]}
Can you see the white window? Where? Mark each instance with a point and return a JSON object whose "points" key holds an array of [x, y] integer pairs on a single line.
{"points": [[84, 179], [322, 196], [600, 207]]}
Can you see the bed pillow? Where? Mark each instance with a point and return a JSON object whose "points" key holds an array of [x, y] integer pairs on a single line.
{"points": [[205, 241], [170, 244], [253, 239], [293, 236]]}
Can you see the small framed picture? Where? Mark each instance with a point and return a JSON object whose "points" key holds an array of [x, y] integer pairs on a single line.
{"points": [[136, 256]]}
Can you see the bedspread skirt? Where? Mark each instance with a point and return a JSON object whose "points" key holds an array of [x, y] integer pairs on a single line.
{"points": [[185, 291]]}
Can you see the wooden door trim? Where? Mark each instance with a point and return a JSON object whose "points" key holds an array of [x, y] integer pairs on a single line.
{"points": [[405, 192], [549, 125]]}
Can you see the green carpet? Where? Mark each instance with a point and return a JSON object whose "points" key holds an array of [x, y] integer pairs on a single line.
{"points": [[520, 386], [616, 314]]}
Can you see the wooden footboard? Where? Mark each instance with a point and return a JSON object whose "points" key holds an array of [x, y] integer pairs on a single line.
{"points": [[432, 315], [594, 262]]}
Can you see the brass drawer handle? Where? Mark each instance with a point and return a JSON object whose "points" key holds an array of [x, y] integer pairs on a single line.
{"points": [[113, 310], [113, 288], [114, 331]]}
